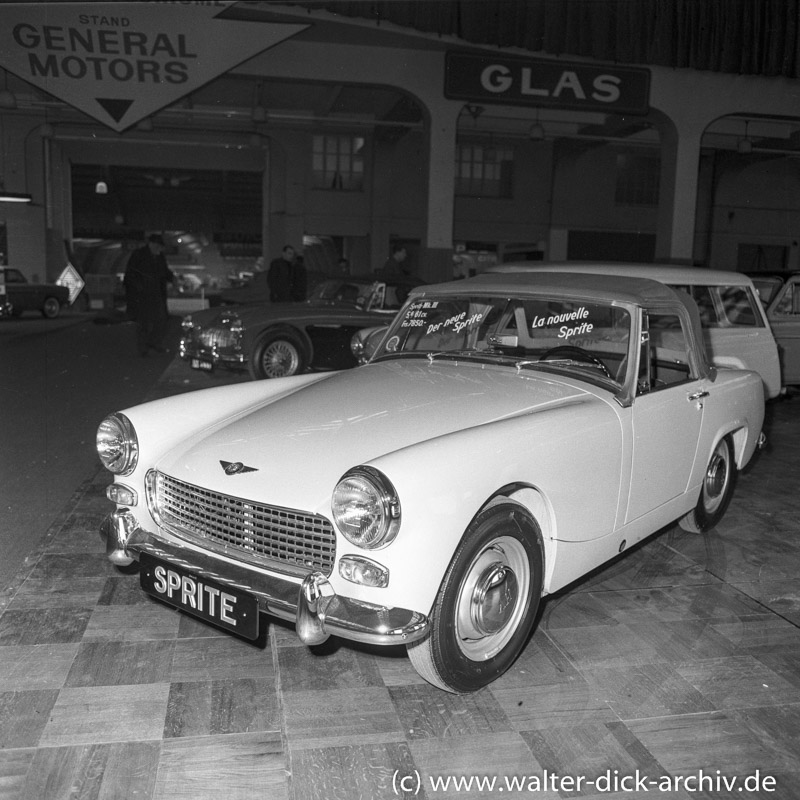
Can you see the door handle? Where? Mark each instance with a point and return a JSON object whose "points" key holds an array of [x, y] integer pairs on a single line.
{"points": [[697, 395]]}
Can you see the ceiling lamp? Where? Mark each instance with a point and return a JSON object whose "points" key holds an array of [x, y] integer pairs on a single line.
{"points": [[536, 132], [14, 197]]}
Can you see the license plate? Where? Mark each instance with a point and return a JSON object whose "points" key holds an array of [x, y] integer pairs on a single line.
{"points": [[199, 363], [229, 608]]}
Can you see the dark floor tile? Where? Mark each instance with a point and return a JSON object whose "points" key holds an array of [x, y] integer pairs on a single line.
{"points": [[220, 658], [60, 566], [571, 703], [123, 590], [70, 593], [335, 717], [592, 751], [331, 666], [43, 626], [121, 663], [428, 712], [210, 708], [23, 716]]}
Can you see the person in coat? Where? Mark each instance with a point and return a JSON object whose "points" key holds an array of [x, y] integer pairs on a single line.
{"points": [[287, 278], [146, 279]]}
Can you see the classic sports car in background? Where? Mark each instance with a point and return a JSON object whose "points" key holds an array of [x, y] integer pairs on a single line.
{"points": [[510, 434], [46, 298], [277, 340]]}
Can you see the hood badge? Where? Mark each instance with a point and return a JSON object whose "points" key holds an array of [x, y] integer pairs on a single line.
{"points": [[235, 467]]}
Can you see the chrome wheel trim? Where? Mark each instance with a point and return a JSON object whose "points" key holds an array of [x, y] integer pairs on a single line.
{"points": [[492, 598], [717, 478], [280, 359], [51, 307]]}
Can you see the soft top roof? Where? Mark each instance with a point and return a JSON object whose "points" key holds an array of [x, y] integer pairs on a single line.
{"points": [[598, 288], [666, 273]]}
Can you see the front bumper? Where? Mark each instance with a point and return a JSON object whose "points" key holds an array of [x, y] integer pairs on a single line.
{"points": [[312, 604], [191, 350]]}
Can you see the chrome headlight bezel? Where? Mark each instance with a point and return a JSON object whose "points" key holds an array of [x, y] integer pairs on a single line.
{"points": [[366, 508], [117, 444]]}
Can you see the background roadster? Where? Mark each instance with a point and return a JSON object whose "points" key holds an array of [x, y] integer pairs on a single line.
{"points": [[511, 433]]}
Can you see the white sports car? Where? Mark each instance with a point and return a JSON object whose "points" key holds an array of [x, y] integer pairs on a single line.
{"points": [[510, 434]]}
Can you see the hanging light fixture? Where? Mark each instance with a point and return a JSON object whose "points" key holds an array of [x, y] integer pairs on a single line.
{"points": [[536, 131], [14, 197]]}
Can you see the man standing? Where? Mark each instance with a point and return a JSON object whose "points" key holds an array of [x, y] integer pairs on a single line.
{"points": [[146, 279], [287, 278], [396, 266]]}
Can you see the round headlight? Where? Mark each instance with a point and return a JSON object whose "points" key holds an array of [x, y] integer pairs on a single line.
{"points": [[366, 508], [117, 444]]}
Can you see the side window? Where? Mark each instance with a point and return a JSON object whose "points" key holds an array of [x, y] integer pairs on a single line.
{"points": [[668, 353], [789, 302]]}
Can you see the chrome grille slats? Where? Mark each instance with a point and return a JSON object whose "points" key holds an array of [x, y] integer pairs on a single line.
{"points": [[259, 534]]}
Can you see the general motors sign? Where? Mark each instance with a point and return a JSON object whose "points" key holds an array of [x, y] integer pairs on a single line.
{"points": [[120, 62], [512, 80]]}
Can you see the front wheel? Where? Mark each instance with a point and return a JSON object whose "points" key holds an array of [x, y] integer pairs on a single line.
{"points": [[51, 308], [487, 603], [718, 484], [278, 355]]}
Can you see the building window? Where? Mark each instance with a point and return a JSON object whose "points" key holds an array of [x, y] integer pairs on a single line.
{"points": [[338, 163], [637, 180], [484, 170]]}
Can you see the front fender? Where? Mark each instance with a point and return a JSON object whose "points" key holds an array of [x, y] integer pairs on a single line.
{"points": [[443, 483]]}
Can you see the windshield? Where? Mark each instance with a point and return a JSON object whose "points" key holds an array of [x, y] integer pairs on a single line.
{"points": [[588, 339], [347, 292]]}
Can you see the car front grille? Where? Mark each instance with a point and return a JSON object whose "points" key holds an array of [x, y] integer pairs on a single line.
{"points": [[287, 540], [220, 338]]}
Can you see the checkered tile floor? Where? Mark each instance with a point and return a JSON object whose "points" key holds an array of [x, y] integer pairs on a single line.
{"points": [[682, 658]]}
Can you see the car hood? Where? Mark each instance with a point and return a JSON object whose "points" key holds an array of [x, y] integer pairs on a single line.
{"points": [[297, 447]]}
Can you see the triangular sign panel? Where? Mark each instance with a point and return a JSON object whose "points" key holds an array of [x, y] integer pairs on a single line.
{"points": [[121, 62]]}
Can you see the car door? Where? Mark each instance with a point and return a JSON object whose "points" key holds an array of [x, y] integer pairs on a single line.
{"points": [[667, 414], [784, 316]]}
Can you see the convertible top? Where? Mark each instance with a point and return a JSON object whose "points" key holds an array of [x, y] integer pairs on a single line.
{"points": [[589, 287]]}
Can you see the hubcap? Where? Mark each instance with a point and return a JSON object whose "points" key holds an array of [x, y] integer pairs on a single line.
{"points": [[492, 598], [716, 478]]}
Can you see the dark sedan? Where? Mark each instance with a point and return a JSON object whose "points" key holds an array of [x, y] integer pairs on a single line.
{"points": [[275, 340], [46, 298]]}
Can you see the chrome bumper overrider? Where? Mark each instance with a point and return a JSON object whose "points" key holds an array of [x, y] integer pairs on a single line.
{"points": [[314, 607], [188, 350]]}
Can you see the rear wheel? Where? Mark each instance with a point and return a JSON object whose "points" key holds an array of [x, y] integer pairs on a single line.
{"points": [[278, 355], [487, 603], [718, 484], [51, 308]]}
